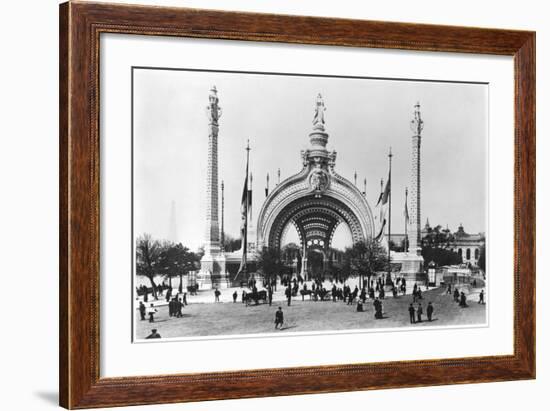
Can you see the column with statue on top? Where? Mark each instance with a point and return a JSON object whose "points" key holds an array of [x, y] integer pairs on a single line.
{"points": [[212, 273], [412, 261]]}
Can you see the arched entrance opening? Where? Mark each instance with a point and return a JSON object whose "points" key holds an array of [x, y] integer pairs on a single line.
{"points": [[316, 262], [308, 225]]}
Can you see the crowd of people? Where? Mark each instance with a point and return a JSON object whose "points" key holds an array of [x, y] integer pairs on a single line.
{"points": [[373, 289]]}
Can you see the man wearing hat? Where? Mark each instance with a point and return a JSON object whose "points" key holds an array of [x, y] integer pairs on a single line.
{"points": [[279, 319], [154, 334]]}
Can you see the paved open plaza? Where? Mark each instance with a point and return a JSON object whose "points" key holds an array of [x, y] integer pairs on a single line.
{"points": [[315, 223], [228, 318]]}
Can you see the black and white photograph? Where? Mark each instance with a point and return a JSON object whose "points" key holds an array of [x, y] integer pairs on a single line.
{"points": [[288, 203], [275, 205]]}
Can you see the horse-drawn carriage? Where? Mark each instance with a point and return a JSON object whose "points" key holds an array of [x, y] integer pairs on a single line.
{"points": [[317, 294], [255, 297]]}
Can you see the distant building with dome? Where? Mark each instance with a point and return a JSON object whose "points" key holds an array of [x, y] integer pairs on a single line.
{"points": [[468, 246]]}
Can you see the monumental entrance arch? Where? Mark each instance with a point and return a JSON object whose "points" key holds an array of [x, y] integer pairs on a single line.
{"points": [[315, 201]]}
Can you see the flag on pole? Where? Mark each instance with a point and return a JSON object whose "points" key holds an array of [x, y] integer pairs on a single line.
{"points": [[381, 232], [406, 212], [384, 195], [244, 223], [245, 209]]}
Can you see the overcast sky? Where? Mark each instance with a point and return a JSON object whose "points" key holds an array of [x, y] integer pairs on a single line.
{"points": [[364, 117]]}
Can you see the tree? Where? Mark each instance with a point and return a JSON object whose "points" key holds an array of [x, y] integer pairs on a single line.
{"points": [[365, 259], [148, 255], [177, 260], [440, 256], [269, 262], [436, 247], [231, 244], [437, 237]]}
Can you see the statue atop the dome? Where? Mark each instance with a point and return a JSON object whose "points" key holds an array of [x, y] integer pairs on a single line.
{"points": [[319, 117]]}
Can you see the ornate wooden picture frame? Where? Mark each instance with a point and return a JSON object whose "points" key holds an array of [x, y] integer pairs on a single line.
{"points": [[81, 25]]}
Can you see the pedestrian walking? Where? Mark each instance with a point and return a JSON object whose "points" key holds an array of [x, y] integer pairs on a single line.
{"points": [[430, 311], [172, 307], [179, 305], [279, 318], [217, 295], [235, 296], [463, 300], [288, 293], [481, 297], [151, 311], [142, 310], [419, 313], [411, 314], [377, 309]]}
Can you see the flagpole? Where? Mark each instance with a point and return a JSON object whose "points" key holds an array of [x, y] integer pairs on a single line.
{"points": [[406, 247], [390, 155], [245, 236]]}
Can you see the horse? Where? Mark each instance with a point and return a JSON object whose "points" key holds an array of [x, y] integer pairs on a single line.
{"points": [[306, 292], [256, 297]]}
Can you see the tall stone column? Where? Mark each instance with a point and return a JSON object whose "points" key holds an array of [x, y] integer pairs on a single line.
{"points": [[415, 241], [212, 273], [412, 261]]}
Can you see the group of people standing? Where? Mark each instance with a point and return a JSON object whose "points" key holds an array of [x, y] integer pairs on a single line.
{"points": [[415, 315], [151, 311], [459, 296], [175, 305]]}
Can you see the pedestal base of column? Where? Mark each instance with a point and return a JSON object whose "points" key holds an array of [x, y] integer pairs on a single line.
{"points": [[212, 274], [412, 266], [210, 282]]}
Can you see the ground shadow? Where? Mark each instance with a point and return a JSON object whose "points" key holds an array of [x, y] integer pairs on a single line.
{"points": [[426, 321], [288, 327], [51, 397]]}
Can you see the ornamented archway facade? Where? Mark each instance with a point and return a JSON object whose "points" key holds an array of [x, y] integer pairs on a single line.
{"points": [[315, 200]]}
